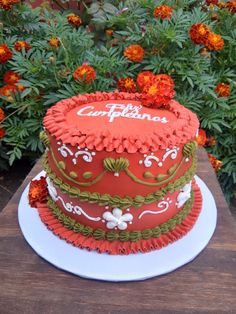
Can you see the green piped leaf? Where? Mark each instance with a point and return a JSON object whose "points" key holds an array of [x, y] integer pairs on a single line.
{"points": [[87, 175], [115, 165], [189, 148], [73, 175], [160, 177], [44, 138], [172, 169], [148, 174], [61, 165]]}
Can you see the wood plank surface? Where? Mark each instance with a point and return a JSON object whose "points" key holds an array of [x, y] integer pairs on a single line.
{"points": [[29, 284]]}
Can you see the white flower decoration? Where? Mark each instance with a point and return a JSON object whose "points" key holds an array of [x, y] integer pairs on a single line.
{"points": [[116, 219], [51, 190], [184, 195]]}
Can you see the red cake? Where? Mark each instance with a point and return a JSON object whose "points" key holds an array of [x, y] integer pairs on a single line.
{"points": [[120, 174]]}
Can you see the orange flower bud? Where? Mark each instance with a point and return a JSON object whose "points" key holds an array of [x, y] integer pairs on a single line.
{"points": [[2, 115], [85, 73], [134, 53], [127, 85], [214, 41], [163, 12], [74, 20], [5, 53], [201, 137], [11, 77], [20, 45], [223, 90]]}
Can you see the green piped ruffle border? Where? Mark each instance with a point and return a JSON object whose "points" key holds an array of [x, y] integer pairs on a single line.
{"points": [[123, 236], [117, 201]]}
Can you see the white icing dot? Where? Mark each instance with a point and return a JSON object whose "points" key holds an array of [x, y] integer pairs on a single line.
{"points": [[86, 149], [128, 209], [116, 174], [115, 228], [168, 198], [187, 159], [160, 164], [103, 220], [152, 154], [140, 162], [74, 161], [130, 222], [93, 153], [106, 207], [145, 155], [178, 148]]}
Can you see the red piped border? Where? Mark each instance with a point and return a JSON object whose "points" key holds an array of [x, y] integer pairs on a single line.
{"points": [[117, 247], [183, 130]]}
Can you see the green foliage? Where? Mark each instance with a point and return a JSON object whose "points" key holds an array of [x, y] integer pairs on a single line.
{"points": [[47, 72]]}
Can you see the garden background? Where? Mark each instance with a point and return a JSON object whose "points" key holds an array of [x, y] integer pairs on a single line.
{"points": [[47, 55]]}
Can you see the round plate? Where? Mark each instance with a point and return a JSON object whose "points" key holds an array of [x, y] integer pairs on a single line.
{"points": [[140, 266]]}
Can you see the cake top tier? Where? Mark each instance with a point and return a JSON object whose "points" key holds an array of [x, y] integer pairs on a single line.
{"points": [[118, 122]]}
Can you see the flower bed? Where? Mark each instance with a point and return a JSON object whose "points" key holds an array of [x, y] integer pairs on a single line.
{"points": [[46, 56]]}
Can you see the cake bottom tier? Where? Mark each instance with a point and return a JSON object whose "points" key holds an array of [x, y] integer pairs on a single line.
{"points": [[144, 241]]}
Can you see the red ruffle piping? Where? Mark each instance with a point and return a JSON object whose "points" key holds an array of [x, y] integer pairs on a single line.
{"points": [[117, 247], [183, 130]]}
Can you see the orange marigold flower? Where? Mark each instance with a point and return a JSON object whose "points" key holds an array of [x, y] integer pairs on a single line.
{"points": [[2, 115], [85, 73], [216, 164], [20, 45], [214, 41], [134, 53], [214, 2], [109, 32], [54, 42], [145, 78], [231, 6], [74, 20], [20, 88], [37, 191], [165, 78], [2, 133], [163, 12], [7, 4], [5, 53], [201, 137], [8, 90], [211, 141], [127, 85], [11, 77], [199, 33], [222, 89], [157, 94]]}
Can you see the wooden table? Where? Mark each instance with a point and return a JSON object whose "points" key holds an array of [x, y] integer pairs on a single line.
{"points": [[29, 284]]}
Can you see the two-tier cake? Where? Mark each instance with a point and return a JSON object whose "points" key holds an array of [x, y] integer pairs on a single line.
{"points": [[120, 174]]}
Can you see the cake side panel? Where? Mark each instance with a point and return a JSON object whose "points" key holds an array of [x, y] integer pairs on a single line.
{"points": [[121, 174]]}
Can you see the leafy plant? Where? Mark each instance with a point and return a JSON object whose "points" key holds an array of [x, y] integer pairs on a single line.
{"points": [[97, 34]]}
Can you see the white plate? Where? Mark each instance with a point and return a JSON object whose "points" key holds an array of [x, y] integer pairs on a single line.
{"points": [[131, 267]]}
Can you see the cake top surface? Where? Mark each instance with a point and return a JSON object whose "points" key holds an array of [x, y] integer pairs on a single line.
{"points": [[119, 122]]}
